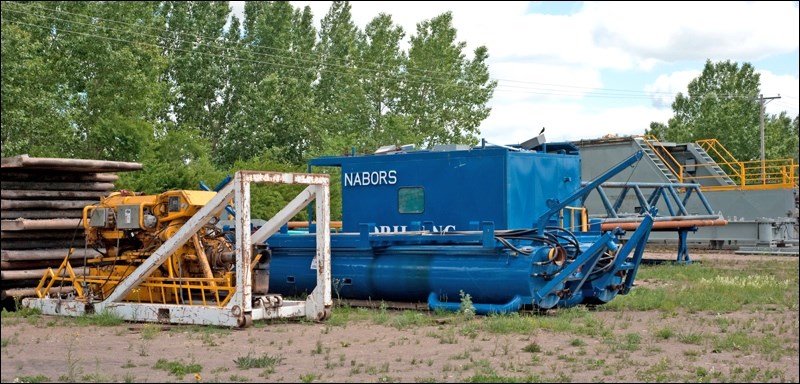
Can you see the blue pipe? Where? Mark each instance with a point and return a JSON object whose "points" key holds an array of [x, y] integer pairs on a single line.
{"points": [[480, 309]]}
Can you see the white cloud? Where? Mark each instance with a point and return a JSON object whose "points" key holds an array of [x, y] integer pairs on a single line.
{"points": [[665, 88], [786, 87]]}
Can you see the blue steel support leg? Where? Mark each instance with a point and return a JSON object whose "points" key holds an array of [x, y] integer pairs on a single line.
{"points": [[683, 246]]}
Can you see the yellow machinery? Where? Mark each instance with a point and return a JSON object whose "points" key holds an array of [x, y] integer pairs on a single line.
{"points": [[165, 260], [131, 227]]}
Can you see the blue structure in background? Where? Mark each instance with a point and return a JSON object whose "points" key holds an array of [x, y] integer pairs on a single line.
{"points": [[427, 226]]}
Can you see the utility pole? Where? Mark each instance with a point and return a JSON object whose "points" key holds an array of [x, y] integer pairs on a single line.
{"points": [[762, 100]]}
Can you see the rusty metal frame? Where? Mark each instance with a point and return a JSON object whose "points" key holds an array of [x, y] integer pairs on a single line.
{"points": [[243, 307]]}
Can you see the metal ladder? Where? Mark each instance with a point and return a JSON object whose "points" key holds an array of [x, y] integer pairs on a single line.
{"points": [[714, 167], [656, 160]]}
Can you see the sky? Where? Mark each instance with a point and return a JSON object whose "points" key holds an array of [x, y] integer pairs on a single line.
{"points": [[583, 70]]}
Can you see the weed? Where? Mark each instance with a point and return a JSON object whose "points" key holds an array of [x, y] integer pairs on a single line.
{"points": [[32, 379], [72, 363], [237, 378], [129, 364], [408, 319], [533, 347], [265, 361], [691, 338], [632, 341], [102, 319], [466, 308], [177, 368], [143, 349], [318, 349], [150, 331], [577, 343], [308, 377]]}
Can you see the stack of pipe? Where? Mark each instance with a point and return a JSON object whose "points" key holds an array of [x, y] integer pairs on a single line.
{"points": [[42, 208]]}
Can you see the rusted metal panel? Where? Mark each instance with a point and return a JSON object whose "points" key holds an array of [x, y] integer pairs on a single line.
{"points": [[48, 175], [45, 204], [80, 186], [42, 214], [27, 224], [82, 165], [49, 254], [21, 194]]}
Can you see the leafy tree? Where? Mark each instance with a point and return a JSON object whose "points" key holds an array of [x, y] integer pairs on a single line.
{"points": [[33, 120], [272, 84], [179, 160], [722, 103], [340, 96], [781, 137], [195, 46], [104, 90], [444, 94], [383, 64]]}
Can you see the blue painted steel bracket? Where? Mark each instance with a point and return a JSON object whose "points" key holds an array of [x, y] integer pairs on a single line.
{"points": [[584, 191]]}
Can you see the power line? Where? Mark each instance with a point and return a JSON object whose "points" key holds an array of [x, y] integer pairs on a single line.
{"points": [[421, 79], [537, 89]]}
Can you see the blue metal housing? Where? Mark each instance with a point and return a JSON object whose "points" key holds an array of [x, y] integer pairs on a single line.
{"points": [[461, 187], [429, 226]]}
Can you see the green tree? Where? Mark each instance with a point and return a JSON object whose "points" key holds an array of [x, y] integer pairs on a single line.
{"points": [[383, 63], [445, 95], [339, 94], [196, 48], [32, 115], [105, 93], [722, 103], [781, 137], [659, 130], [272, 82]]}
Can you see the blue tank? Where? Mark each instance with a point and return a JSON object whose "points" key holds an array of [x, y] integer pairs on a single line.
{"points": [[429, 226]]}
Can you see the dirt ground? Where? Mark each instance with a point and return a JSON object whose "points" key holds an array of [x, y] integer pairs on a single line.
{"points": [[447, 350]]}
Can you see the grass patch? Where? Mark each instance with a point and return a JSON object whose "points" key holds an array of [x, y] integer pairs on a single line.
{"points": [[532, 348], [32, 379], [495, 378], [101, 319], [177, 368], [150, 331], [721, 287], [263, 361], [408, 319]]}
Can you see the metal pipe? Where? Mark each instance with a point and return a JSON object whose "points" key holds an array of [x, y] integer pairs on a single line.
{"points": [[35, 274], [81, 186], [83, 165], [26, 224], [48, 254], [42, 194], [23, 175], [673, 224], [42, 214], [45, 204]]}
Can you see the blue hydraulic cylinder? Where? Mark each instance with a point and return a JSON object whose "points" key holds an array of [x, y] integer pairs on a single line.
{"points": [[412, 273]]}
